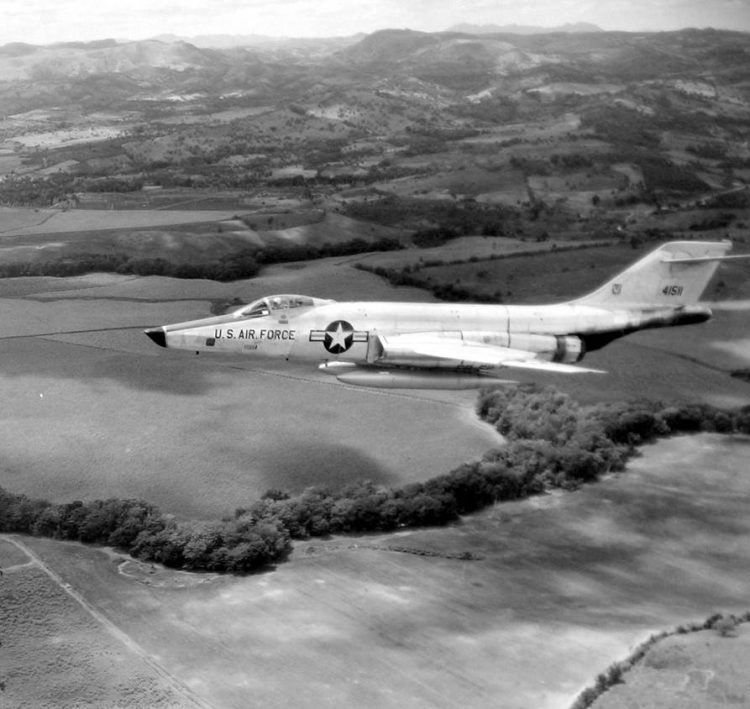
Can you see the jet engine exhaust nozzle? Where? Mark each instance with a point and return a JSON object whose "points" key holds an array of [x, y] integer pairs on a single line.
{"points": [[158, 336]]}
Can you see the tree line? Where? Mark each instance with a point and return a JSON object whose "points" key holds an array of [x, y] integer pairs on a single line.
{"points": [[412, 275], [463, 217], [552, 441], [615, 674], [244, 263], [234, 545]]}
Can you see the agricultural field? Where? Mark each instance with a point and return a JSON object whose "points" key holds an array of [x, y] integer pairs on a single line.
{"points": [[442, 617], [513, 271], [536, 147], [457, 253], [692, 671], [177, 236], [99, 411], [62, 222], [58, 651], [95, 403]]}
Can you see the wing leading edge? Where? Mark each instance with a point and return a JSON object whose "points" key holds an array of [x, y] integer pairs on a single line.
{"points": [[473, 354], [436, 351]]}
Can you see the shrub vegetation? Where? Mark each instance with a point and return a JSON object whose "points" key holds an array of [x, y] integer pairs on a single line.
{"points": [[244, 263], [724, 625], [552, 442]]}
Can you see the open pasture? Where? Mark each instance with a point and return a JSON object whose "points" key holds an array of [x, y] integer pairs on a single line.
{"points": [[460, 180], [545, 129], [55, 654], [693, 671], [572, 580], [549, 276], [543, 277], [477, 249], [669, 365], [94, 410], [319, 227], [67, 137], [20, 222], [187, 236]]}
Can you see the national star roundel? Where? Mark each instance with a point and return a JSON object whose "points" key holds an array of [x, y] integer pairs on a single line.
{"points": [[338, 336]]}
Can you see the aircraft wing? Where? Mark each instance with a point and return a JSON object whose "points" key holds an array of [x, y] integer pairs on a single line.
{"points": [[436, 350]]}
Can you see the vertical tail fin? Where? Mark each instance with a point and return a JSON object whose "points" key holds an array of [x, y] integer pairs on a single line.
{"points": [[673, 275]]}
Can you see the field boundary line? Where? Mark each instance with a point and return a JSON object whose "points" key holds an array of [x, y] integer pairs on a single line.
{"points": [[680, 355], [177, 686]]}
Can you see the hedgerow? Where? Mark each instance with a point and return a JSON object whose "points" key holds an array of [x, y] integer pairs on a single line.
{"points": [[552, 441]]}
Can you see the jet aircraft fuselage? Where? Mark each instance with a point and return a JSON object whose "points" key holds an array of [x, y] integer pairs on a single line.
{"points": [[450, 345]]}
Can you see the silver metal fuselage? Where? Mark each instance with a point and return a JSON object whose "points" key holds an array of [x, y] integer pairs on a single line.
{"points": [[312, 333], [457, 345]]}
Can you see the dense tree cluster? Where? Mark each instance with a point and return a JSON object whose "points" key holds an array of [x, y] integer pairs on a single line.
{"points": [[242, 264], [571, 161], [528, 412], [109, 184], [59, 187], [435, 236], [28, 191], [661, 174], [307, 252], [228, 268], [622, 126], [736, 199], [463, 217], [452, 292], [236, 545], [708, 150], [552, 441], [560, 443]]}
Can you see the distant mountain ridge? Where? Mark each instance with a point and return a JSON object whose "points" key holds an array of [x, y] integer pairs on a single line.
{"points": [[569, 28], [79, 59], [257, 41], [457, 61]]}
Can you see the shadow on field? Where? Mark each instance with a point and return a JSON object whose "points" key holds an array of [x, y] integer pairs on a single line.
{"points": [[642, 544], [305, 463], [164, 372]]}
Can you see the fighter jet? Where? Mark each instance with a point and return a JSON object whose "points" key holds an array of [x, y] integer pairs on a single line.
{"points": [[460, 346]]}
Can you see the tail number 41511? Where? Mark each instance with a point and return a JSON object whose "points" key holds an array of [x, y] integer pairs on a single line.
{"points": [[671, 290]]}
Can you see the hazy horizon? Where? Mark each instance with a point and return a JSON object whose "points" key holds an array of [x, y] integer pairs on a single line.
{"points": [[47, 22]]}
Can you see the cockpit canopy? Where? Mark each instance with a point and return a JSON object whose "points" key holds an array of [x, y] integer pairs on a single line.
{"points": [[276, 304]]}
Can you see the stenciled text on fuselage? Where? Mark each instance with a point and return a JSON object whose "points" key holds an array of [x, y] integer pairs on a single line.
{"points": [[252, 334]]}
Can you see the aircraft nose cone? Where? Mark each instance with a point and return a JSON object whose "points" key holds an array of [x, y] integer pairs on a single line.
{"points": [[158, 336]]}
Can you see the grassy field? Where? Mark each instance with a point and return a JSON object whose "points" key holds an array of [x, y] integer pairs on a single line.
{"points": [[18, 222], [55, 654], [548, 277], [572, 580], [100, 413], [696, 671], [462, 249], [330, 228], [183, 236]]}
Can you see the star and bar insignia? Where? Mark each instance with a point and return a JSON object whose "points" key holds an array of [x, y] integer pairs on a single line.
{"points": [[338, 337]]}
